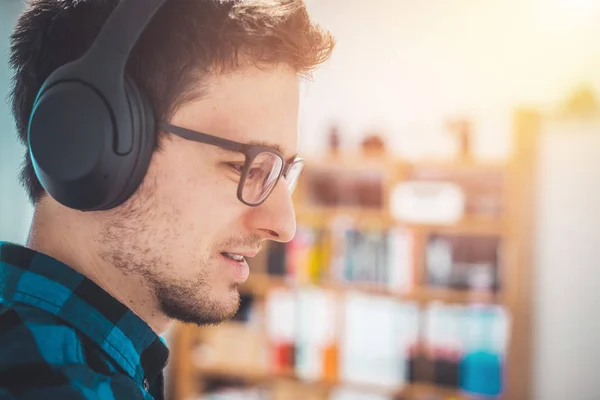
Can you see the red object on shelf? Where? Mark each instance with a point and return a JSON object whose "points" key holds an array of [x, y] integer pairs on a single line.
{"points": [[283, 356]]}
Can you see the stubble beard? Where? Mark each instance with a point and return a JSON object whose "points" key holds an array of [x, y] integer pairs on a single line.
{"points": [[184, 301], [125, 244]]}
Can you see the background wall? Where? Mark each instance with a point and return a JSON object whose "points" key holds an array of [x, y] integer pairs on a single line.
{"points": [[406, 66], [567, 254], [15, 211]]}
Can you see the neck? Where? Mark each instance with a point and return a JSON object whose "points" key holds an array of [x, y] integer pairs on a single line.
{"points": [[69, 236]]}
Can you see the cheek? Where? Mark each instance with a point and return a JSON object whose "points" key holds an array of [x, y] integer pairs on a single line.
{"points": [[198, 209]]}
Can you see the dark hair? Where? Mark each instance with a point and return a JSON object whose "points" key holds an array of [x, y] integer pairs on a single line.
{"points": [[184, 41]]}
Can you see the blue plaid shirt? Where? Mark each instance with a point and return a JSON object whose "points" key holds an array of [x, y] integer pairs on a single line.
{"points": [[63, 337]]}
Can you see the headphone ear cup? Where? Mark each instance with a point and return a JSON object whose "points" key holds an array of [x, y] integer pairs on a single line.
{"points": [[143, 125], [70, 132]]}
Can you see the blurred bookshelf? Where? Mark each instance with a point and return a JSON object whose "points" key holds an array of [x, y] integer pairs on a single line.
{"points": [[406, 280]]}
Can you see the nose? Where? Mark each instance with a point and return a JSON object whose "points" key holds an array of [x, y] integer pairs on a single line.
{"points": [[275, 219]]}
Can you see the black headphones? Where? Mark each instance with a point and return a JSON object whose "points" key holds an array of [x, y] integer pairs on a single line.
{"points": [[92, 131]]}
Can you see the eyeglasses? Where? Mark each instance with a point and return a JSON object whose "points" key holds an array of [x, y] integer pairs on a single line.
{"points": [[263, 168]]}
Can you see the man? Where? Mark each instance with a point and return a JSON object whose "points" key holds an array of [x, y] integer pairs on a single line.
{"points": [[83, 304]]}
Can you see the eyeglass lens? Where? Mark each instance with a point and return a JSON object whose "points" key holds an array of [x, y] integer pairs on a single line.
{"points": [[262, 174]]}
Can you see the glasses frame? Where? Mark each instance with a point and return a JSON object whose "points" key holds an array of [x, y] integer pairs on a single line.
{"points": [[249, 151]]}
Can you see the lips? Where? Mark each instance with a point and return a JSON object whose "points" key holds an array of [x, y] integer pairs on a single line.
{"points": [[234, 256], [238, 254], [238, 267]]}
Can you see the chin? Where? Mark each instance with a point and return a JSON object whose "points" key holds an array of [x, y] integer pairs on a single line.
{"points": [[205, 310]]}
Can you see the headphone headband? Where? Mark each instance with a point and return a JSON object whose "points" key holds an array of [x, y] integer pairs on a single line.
{"points": [[92, 130], [123, 29]]}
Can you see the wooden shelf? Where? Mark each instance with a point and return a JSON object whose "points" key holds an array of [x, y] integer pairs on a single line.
{"points": [[254, 376], [361, 161], [380, 219], [322, 217], [421, 389], [261, 284], [460, 297], [246, 374], [470, 225], [455, 165], [351, 161]]}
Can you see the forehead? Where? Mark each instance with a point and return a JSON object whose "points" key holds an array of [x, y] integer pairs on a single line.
{"points": [[250, 105]]}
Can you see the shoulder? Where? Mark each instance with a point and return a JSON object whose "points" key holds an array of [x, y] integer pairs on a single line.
{"points": [[28, 334], [43, 358]]}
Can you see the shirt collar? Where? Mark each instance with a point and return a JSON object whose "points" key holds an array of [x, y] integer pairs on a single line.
{"points": [[33, 278]]}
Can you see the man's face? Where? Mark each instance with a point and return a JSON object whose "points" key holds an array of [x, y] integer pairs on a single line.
{"points": [[175, 229]]}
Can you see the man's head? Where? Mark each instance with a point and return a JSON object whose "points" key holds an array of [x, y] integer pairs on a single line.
{"points": [[230, 69]]}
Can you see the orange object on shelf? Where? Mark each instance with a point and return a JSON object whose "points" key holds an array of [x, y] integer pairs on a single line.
{"points": [[331, 362]]}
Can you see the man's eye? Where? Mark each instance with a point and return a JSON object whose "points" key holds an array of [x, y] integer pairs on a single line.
{"points": [[237, 167], [254, 172]]}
